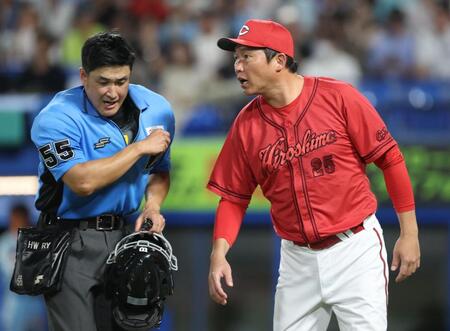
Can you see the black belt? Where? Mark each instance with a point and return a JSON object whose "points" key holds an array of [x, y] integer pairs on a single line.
{"points": [[106, 222]]}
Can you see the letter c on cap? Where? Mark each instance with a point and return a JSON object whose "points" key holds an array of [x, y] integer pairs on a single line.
{"points": [[245, 29]]}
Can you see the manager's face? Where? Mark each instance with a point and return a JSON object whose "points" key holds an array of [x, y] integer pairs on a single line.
{"points": [[107, 87], [254, 72]]}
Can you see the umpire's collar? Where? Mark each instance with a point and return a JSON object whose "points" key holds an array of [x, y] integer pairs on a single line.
{"points": [[140, 103]]}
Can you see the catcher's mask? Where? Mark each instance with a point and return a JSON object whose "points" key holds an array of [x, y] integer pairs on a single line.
{"points": [[138, 278]]}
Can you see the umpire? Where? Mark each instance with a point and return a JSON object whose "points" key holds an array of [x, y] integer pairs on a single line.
{"points": [[102, 146]]}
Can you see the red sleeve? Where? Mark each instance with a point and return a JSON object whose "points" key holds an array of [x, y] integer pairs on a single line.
{"points": [[366, 129], [232, 177], [229, 218], [397, 180]]}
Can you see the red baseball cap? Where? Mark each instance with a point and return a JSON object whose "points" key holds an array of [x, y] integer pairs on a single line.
{"points": [[261, 34]]}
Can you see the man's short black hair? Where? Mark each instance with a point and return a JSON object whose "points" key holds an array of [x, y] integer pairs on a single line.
{"points": [[290, 63], [106, 49]]}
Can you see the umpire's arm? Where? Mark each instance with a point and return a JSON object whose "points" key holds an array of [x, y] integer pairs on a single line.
{"points": [[157, 189], [87, 177]]}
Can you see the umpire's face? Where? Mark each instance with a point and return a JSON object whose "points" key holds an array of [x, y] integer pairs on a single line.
{"points": [[106, 88]]}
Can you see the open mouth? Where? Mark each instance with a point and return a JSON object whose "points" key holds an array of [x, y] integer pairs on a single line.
{"points": [[109, 104], [243, 82]]}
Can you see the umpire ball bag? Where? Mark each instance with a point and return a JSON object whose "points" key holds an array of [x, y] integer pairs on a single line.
{"points": [[41, 256], [138, 278]]}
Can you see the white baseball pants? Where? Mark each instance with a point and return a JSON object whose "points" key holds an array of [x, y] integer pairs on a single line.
{"points": [[349, 279]]}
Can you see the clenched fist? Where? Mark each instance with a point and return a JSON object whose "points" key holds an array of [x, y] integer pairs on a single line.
{"points": [[155, 143]]}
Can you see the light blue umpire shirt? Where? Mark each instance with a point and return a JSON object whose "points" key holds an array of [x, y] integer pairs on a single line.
{"points": [[69, 130]]}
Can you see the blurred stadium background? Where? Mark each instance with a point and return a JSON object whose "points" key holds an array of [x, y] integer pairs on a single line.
{"points": [[396, 51]]}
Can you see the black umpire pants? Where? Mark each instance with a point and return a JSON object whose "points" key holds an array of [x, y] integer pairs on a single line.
{"points": [[81, 304]]}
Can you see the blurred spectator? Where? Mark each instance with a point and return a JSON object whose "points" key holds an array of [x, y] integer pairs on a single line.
{"points": [[208, 57], [433, 46], [391, 51], [40, 75], [383, 8], [237, 12], [156, 9], [419, 15], [149, 62], [328, 57], [84, 27], [358, 38], [263, 8], [18, 312], [125, 22], [180, 25], [305, 13], [56, 16], [180, 82], [289, 15], [147, 40], [106, 11], [19, 42], [360, 29], [8, 14]]}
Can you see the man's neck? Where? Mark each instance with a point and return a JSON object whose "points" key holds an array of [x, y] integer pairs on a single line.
{"points": [[284, 91]]}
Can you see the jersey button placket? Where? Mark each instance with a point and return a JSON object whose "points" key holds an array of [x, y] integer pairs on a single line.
{"points": [[290, 133], [300, 192]]}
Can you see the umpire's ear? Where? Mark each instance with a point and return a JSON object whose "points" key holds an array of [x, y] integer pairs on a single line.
{"points": [[83, 76]]}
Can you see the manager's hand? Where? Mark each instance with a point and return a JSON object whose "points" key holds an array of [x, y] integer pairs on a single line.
{"points": [[406, 255], [219, 268]]}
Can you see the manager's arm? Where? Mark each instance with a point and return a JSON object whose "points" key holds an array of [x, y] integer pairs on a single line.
{"points": [[406, 254], [228, 221]]}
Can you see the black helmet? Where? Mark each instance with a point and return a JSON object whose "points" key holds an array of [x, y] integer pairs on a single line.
{"points": [[138, 278]]}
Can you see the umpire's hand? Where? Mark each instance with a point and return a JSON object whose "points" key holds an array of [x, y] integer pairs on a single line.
{"points": [[156, 220], [157, 142]]}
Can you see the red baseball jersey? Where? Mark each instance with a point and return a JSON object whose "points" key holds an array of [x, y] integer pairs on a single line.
{"points": [[309, 158]]}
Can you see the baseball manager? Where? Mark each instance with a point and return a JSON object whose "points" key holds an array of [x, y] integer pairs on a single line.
{"points": [[306, 141]]}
